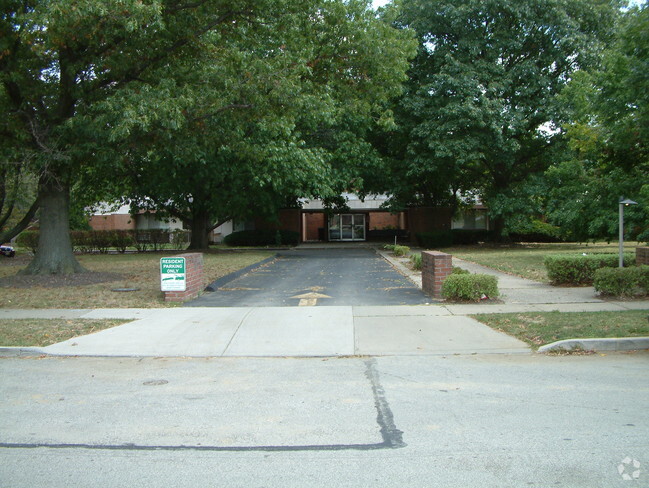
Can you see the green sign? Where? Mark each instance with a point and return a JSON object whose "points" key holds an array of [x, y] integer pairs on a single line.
{"points": [[173, 276]]}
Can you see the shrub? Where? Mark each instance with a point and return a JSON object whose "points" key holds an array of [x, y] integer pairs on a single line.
{"points": [[142, 240], [28, 239], [416, 262], [435, 239], [580, 269], [261, 238], [401, 250], [180, 238], [81, 241], [471, 236], [122, 239], [459, 271], [389, 247], [535, 231], [622, 282], [159, 238], [472, 287], [100, 240]]}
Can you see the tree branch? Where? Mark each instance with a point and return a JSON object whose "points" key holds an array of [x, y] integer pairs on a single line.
{"points": [[23, 224]]}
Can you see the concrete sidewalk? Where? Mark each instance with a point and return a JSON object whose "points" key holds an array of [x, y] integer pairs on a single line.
{"points": [[296, 331], [279, 332]]}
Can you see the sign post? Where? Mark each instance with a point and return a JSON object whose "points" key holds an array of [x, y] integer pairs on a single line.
{"points": [[173, 274]]}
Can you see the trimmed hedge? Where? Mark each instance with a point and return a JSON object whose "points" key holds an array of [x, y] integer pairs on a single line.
{"points": [[435, 239], [472, 236], [622, 282], [472, 287], [86, 241], [262, 238], [445, 238], [577, 269], [28, 239]]}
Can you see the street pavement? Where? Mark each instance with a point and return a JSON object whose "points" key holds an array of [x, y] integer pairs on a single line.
{"points": [[418, 421]]}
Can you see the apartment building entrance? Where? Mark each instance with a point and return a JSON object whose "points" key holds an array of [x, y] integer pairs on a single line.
{"points": [[347, 227]]}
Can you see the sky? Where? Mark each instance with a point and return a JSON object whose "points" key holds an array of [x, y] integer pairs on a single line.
{"points": [[380, 3]]}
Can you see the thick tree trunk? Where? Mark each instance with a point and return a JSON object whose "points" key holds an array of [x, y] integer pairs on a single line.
{"points": [[200, 229], [54, 254]]}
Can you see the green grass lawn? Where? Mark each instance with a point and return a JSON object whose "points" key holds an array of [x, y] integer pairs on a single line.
{"points": [[526, 260], [44, 332], [141, 271], [540, 328]]}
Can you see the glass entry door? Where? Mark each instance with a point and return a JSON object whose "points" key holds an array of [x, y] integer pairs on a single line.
{"points": [[347, 227]]}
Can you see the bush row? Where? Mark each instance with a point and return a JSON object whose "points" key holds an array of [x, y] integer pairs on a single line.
{"points": [[120, 240], [578, 269], [445, 238], [262, 238], [622, 282], [472, 287]]}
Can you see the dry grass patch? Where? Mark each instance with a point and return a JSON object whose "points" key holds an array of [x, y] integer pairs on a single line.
{"points": [[540, 328], [109, 272], [44, 332]]}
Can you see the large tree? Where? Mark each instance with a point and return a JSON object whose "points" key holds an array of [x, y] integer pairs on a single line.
{"points": [[480, 108], [264, 117], [206, 93], [608, 132]]}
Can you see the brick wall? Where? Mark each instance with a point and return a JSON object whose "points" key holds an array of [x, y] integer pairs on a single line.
{"points": [[313, 222], [436, 266], [112, 222], [195, 283], [381, 220], [642, 255]]}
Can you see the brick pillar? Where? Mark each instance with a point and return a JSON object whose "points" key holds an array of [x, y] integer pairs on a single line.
{"points": [[642, 256], [195, 284], [435, 267]]}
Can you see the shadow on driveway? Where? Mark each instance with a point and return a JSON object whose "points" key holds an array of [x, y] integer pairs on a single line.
{"points": [[317, 277]]}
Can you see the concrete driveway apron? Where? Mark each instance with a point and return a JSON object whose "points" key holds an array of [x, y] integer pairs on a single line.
{"points": [[317, 277]]}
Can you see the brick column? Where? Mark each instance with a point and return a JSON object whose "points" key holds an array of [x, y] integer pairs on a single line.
{"points": [[195, 284], [435, 267], [642, 256]]}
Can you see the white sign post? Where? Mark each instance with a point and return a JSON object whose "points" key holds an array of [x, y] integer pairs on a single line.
{"points": [[173, 276]]}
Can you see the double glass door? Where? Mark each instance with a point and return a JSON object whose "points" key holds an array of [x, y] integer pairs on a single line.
{"points": [[347, 227]]}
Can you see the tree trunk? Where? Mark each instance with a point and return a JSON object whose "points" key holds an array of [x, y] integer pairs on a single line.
{"points": [[200, 229], [498, 228], [54, 253]]}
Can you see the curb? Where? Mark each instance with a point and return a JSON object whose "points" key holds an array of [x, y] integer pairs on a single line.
{"points": [[233, 276], [9, 352], [400, 268], [614, 344]]}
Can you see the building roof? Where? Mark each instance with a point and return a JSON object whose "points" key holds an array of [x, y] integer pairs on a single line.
{"points": [[371, 202]]}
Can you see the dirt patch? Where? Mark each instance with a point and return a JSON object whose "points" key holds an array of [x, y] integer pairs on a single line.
{"points": [[58, 281]]}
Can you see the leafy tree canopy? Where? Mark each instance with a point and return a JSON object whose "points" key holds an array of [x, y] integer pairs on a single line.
{"points": [[480, 108]]}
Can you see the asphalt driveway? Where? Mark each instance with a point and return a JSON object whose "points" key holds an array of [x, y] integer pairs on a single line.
{"points": [[317, 277]]}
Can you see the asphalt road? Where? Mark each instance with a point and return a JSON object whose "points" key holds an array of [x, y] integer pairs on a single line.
{"points": [[457, 421], [317, 277]]}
